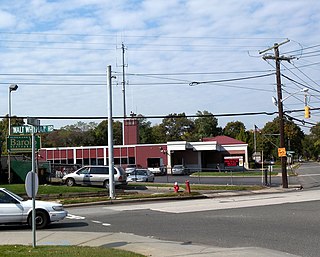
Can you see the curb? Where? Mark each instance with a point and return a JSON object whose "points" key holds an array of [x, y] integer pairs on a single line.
{"points": [[203, 195]]}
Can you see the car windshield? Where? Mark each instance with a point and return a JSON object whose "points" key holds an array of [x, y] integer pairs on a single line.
{"points": [[13, 194], [140, 172]]}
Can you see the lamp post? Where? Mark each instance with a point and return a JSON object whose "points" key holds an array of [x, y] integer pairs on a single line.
{"points": [[279, 103], [12, 87]]}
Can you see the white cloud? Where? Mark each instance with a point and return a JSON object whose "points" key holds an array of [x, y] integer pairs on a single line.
{"points": [[162, 38]]}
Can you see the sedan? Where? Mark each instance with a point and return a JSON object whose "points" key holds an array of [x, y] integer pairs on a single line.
{"points": [[179, 170], [16, 210], [141, 175]]}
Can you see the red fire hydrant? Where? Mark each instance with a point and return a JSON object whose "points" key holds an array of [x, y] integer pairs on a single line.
{"points": [[188, 186], [176, 187]]}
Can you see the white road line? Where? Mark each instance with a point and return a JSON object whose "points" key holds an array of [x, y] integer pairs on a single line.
{"points": [[74, 217]]}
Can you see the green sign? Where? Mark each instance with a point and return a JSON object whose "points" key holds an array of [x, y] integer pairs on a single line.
{"points": [[22, 143], [32, 129]]}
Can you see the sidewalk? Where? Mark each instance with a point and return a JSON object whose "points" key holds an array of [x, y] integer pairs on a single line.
{"points": [[144, 245]]}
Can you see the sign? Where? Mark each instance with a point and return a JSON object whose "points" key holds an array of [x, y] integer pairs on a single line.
{"points": [[31, 129], [33, 121], [233, 161], [22, 143], [282, 152], [29, 185]]}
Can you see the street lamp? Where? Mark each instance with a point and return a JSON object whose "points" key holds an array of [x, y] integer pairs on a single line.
{"points": [[12, 87], [279, 103], [275, 101]]}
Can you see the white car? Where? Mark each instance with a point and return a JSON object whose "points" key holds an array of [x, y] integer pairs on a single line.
{"points": [[16, 210], [141, 175]]}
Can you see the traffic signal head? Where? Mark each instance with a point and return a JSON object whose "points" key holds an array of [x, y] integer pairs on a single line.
{"points": [[307, 112]]}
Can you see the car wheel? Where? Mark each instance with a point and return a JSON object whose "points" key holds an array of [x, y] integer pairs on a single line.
{"points": [[42, 219], [106, 184], [70, 182]]}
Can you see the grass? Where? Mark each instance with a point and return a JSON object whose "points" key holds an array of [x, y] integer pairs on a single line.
{"points": [[62, 251], [52, 189], [65, 196]]}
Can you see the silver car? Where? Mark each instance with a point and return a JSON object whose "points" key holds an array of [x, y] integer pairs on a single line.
{"points": [[95, 175], [16, 210], [179, 170], [141, 175]]}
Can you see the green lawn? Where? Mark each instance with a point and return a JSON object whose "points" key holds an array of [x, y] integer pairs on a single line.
{"points": [[52, 189], [62, 251]]}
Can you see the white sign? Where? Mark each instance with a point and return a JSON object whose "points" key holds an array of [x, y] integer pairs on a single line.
{"points": [[28, 184]]}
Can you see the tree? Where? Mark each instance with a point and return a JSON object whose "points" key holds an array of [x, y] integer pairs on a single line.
{"points": [[4, 129], [177, 127], [270, 137], [101, 133], [234, 128], [206, 126], [145, 130], [311, 143]]}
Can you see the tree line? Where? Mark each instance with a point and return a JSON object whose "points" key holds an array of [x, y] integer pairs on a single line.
{"points": [[178, 127]]}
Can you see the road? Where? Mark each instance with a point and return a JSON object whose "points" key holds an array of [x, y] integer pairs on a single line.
{"points": [[286, 221], [309, 175]]}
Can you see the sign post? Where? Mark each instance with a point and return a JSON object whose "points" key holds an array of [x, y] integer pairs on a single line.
{"points": [[34, 123]]}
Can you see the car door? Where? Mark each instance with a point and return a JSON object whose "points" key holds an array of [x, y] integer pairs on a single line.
{"points": [[10, 209], [98, 175], [83, 176]]}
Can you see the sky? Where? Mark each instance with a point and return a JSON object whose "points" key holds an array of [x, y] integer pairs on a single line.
{"points": [[179, 56]]}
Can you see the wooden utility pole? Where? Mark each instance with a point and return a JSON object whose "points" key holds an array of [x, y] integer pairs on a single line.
{"points": [[277, 59]]}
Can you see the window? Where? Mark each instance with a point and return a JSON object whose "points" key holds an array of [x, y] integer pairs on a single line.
{"points": [[99, 170]]}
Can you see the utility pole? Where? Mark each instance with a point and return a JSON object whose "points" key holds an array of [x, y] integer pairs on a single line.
{"points": [[123, 93], [277, 59]]}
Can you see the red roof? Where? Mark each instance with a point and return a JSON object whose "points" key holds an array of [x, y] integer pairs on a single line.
{"points": [[223, 140]]}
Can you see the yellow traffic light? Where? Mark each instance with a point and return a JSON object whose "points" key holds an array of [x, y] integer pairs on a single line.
{"points": [[307, 112]]}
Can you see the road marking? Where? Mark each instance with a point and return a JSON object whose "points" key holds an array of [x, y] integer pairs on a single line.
{"points": [[74, 217]]}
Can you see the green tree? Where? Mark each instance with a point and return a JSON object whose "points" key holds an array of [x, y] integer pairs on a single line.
{"points": [[101, 133], [177, 127], [206, 126], [234, 128], [4, 130], [145, 131], [270, 137]]}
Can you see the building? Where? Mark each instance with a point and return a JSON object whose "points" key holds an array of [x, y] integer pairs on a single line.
{"points": [[215, 153]]}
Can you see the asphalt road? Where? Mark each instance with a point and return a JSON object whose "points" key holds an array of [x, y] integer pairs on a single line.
{"points": [[287, 222]]}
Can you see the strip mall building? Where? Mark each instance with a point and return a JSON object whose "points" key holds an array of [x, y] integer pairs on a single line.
{"points": [[219, 152]]}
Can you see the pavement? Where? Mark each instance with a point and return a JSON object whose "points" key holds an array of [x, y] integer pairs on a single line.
{"points": [[147, 246]]}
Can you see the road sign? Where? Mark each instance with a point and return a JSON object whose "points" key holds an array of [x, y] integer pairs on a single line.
{"points": [[33, 121], [30, 187], [282, 152], [30, 129], [22, 143]]}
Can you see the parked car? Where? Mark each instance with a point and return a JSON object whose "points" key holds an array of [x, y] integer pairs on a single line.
{"points": [[95, 175], [141, 175], [179, 170], [158, 170], [16, 210], [130, 168]]}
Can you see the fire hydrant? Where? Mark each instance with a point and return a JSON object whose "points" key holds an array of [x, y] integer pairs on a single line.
{"points": [[176, 187], [188, 186]]}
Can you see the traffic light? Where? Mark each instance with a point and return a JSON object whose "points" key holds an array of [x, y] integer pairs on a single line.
{"points": [[307, 112]]}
